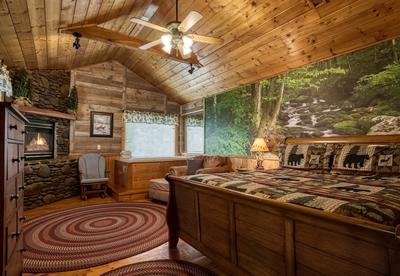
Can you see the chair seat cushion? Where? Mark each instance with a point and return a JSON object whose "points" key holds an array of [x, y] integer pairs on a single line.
{"points": [[94, 180], [159, 184]]}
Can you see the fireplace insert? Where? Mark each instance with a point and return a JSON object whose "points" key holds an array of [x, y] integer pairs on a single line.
{"points": [[39, 140]]}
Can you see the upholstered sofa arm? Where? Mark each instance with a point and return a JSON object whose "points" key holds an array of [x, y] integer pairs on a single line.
{"points": [[222, 169], [178, 170]]}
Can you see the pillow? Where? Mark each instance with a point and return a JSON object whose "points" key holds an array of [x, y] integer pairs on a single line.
{"points": [[387, 160], [193, 165], [214, 161], [354, 159], [305, 156]]}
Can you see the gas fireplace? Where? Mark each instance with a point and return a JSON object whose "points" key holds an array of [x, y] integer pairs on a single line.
{"points": [[39, 140]]}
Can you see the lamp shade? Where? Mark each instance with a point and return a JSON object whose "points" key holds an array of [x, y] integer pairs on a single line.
{"points": [[259, 145]]}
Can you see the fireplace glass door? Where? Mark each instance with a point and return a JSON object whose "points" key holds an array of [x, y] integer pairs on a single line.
{"points": [[39, 140]]}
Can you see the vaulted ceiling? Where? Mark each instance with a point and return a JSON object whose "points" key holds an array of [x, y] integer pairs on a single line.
{"points": [[262, 38]]}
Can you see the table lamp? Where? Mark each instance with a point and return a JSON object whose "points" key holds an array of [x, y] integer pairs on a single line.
{"points": [[259, 147]]}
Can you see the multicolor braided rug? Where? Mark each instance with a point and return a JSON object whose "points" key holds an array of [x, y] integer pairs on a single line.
{"points": [[93, 235], [160, 267]]}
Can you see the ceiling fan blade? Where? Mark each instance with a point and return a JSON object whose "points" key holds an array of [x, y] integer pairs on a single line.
{"points": [[190, 20], [205, 39], [148, 24], [150, 45]]}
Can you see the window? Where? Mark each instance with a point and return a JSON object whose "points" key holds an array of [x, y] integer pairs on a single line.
{"points": [[194, 133], [150, 134]]}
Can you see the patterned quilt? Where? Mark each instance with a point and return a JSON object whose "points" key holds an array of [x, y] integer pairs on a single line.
{"points": [[371, 198]]}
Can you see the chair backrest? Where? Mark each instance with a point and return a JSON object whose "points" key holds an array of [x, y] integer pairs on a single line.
{"points": [[91, 166]]}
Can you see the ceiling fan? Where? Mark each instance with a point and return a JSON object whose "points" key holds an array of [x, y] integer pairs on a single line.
{"points": [[176, 36]]}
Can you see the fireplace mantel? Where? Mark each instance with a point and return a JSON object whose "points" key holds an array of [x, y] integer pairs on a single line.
{"points": [[45, 112]]}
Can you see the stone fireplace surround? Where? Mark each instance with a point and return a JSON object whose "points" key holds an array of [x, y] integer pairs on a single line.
{"points": [[50, 180]]}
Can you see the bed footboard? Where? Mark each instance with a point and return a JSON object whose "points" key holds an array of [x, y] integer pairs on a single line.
{"points": [[253, 236]]}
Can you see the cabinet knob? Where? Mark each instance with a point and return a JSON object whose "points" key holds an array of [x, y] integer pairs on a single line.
{"points": [[22, 218], [22, 158], [15, 235], [13, 127], [23, 249], [23, 131], [14, 197], [15, 160], [21, 188]]}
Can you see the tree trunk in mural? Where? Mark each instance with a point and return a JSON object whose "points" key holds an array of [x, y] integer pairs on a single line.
{"points": [[257, 101], [272, 122], [395, 55]]}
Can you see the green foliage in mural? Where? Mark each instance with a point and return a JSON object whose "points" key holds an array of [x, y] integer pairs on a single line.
{"points": [[343, 96]]}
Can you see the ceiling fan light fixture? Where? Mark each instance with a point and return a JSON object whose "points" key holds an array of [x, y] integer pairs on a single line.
{"points": [[167, 49], [187, 50], [187, 41], [167, 40]]}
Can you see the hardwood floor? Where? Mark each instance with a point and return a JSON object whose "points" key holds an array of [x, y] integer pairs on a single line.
{"points": [[183, 252]]}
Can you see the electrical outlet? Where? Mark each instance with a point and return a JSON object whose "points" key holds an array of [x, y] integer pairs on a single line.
{"points": [[98, 147]]}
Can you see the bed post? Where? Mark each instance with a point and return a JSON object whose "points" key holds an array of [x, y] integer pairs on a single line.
{"points": [[172, 216]]}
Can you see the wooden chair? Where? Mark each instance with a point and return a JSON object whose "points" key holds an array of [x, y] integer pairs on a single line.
{"points": [[92, 175]]}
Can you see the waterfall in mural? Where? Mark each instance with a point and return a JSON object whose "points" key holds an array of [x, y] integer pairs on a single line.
{"points": [[354, 94]]}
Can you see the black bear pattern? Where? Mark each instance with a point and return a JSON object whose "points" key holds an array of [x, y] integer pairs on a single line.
{"points": [[295, 159], [385, 160], [354, 160]]}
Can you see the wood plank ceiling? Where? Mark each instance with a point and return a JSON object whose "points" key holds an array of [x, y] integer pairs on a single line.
{"points": [[262, 38]]}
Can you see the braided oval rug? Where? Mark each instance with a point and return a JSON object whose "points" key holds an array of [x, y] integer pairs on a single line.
{"points": [[160, 267], [93, 235]]}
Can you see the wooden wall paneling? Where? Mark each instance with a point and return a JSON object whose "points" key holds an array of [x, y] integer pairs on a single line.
{"points": [[184, 8], [19, 14], [37, 17], [53, 11], [9, 37], [130, 10], [65, 41], [234, 17], [192, 107], [310, 55], [103, 47], [77, 56], [342, 43], [109, 87], [252, 39]]}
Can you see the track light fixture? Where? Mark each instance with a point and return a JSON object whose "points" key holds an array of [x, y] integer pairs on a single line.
{"points": [[191, 70], [76, 45]]}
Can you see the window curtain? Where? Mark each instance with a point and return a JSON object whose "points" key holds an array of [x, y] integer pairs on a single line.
{"points": [[150, 118]]}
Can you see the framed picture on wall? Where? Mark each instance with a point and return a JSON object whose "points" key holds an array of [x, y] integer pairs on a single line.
{"points": [[101, 124]]}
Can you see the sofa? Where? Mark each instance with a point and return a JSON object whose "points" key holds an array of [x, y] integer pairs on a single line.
{"points": [[211, 164]]}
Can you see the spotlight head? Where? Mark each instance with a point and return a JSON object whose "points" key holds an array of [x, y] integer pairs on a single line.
{"points": [[76, 44], [191, 69]]}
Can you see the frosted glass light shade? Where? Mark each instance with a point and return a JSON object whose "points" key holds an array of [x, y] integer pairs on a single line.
{"points": [[259, 145]]}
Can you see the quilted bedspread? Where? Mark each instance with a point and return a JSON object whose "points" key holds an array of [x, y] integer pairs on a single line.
{"points": [[372, 198]]}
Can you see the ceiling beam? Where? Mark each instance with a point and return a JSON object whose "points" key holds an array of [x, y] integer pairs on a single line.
{"points": [[94, 32]]}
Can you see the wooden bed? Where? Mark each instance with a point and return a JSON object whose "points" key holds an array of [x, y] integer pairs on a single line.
{"points": [[289, 239]]}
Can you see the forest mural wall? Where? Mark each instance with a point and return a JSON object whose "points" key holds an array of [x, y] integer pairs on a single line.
{"points": [[357, 93]]}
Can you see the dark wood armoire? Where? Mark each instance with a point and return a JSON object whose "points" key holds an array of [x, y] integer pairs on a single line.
{"points": [[12, 133]]}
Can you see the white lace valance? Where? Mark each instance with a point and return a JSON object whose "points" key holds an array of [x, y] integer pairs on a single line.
{"points": [[194, 121], [150, 118]]}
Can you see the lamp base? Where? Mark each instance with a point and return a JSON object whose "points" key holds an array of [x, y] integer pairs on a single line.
{"points": [[260, 161]]}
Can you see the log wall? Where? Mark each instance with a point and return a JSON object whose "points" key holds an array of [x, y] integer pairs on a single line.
{"points": [[110, 87]]}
